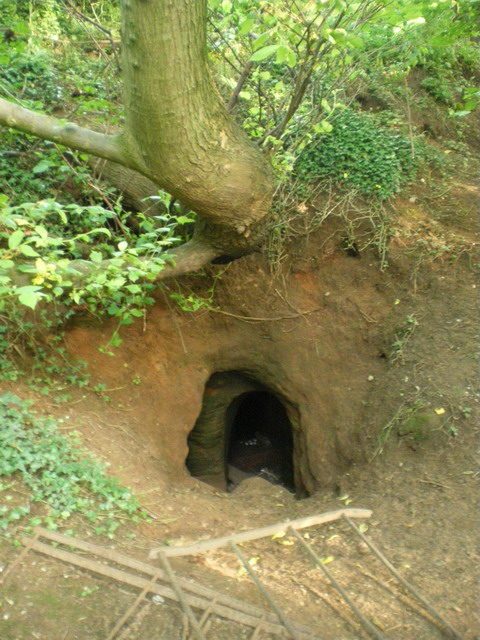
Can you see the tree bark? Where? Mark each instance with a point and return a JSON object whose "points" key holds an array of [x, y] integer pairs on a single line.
{"points": [[137, 191]]}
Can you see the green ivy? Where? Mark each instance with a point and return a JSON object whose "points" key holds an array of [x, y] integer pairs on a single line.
{"points": [[359, 153], [58, 474]]}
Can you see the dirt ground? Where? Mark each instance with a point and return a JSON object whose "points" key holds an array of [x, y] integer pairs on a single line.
{"points": [[421, 489], [420, 424]]}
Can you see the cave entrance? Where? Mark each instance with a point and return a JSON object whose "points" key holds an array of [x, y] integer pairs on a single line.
{"points": [[243, 430], [259, 440]]}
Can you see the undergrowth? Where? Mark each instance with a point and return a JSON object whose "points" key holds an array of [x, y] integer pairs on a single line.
{"points": [[43, 248], [361, 154], [62, 480]]}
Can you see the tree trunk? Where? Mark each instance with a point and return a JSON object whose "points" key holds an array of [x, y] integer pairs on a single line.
{"points": [[177, 132], [177, 127]]}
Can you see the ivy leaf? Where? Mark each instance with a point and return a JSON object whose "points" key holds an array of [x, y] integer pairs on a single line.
{"points": [[184, 219], [15, 239], [96, 256], [134, 288], [265, 52], [117, 283], [29, 295], [41, 167], [323, 127]]}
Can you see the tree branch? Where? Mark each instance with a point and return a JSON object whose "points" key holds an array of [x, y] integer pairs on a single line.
{"points": [[66, 133], [241, 81]]}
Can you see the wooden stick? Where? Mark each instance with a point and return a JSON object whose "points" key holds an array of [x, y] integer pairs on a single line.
{"points": [[19, 558], [263, 532], [137, 565], [162, 590], [206, 613], [367, 625], [448, 629], [132, 607], [335, 607], [408, 601], [257, 630], [281, 616], [182, 598]]}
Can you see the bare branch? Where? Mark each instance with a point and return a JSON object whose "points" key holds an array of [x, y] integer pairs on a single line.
{"points": [[82, 18], [240, 84], [66, 133], [304, 76]]}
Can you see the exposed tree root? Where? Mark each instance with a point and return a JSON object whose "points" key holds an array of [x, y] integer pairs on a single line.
{"points": [[186, 258]]}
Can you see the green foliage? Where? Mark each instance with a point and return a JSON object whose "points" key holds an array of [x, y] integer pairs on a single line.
{"points": [[439, 87], [49, 253], [361, 154], [74, 259], [54, 60], [31, 77], [191, 303], [58, 473], [31, 170]]}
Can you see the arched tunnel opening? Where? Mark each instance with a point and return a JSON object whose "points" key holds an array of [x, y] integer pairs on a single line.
{"points": [[259, 440], [243, 431]]}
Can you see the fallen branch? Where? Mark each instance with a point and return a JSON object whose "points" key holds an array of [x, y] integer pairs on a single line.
{"points": [[187, 258], [262, 532]]}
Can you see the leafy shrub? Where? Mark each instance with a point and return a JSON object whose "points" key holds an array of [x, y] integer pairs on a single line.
{"points": [[439, 88], [81, 258], [360, 154], [43, 239], [57, 472]]}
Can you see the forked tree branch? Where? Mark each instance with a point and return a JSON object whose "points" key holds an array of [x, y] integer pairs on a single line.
{"points": [[66, 133]]}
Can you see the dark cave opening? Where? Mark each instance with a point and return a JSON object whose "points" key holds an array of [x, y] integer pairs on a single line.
{"points": [[259, 440], [242, 431]]}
